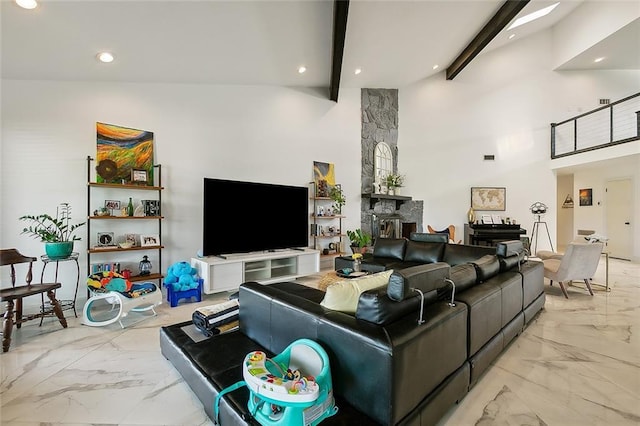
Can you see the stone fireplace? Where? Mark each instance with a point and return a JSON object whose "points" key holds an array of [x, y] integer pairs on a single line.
{"points": [[383, 216]]}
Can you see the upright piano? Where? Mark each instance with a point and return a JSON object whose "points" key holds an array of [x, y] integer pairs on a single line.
{"points": [[490, 234]]}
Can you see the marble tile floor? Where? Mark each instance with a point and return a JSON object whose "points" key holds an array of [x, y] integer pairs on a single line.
{"points": [[578, 363]]}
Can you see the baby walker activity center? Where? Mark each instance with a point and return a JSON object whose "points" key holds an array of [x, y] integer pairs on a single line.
{"points": [[291, 389]]}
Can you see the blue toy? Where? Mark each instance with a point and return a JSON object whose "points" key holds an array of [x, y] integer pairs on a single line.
{"points": [[291, 389], [181, 277]]}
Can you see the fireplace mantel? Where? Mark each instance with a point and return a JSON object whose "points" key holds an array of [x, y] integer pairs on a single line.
{"points": [[373, 198]]}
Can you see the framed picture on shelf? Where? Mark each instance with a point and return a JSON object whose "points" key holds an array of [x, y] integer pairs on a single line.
{"points": [[139, 176], [131, 238], [148, 240], [151, 207], [112, 204], [105, 239], [489, 198]]}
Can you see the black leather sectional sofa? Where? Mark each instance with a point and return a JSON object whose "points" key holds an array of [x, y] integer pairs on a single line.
{"points": [[389, 365]]}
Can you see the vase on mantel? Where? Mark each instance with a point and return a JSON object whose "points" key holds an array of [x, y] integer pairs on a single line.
{"points": [[391, 191]]}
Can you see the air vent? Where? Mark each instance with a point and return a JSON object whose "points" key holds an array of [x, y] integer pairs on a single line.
{"points": [[605, 101], [489, 157]]}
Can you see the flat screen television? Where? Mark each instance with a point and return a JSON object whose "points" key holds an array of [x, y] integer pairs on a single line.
{"points": [[242, 217]]}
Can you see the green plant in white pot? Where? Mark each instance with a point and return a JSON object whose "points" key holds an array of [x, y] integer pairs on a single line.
{"points": [[58, 233], [394, 182]]}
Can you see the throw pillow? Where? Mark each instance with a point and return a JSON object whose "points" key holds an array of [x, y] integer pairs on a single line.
{"points": [[343, 295]]}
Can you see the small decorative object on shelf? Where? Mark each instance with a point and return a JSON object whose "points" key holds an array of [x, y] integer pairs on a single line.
{"points": [[139, 211], [107, 169], [105, 239], [393, 181], [145, 266], [112, 205], [322, 189], [149, 240], [471, 215], [130, 208], [139, 176], [339, 200], [151, 207]]}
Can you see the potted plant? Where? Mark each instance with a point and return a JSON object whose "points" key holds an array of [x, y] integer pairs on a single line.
{"points": [[393, 182], [56, 232], [359, 240], [339, 200]]}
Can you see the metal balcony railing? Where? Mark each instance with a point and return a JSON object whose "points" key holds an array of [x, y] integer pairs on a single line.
{"points": [[609, 125]]}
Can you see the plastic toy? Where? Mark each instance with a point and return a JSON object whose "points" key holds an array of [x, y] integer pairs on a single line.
{"points": [[293, 388]]}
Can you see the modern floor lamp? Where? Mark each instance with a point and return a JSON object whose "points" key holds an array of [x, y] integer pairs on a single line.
{"points": [[538, 209]]}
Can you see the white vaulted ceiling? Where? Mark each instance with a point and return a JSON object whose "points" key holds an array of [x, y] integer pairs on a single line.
{"points": [[395, 43]]}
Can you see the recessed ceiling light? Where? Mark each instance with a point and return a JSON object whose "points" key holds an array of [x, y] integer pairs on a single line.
{"points": [[436, 66], [357, 71], [533, 16], [302, 69], [27, 4], [105, 57], [600, 59], [511, 36]]}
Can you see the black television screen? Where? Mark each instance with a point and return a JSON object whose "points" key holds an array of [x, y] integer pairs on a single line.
{"points": [[241, 217]]}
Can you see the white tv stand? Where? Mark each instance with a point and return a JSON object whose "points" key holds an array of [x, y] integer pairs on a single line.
{"points": [[265, 267]]}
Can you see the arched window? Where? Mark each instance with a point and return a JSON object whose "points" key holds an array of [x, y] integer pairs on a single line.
{"points": [[383, 161]]}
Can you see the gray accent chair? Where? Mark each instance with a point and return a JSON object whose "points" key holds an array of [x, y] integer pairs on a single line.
{"points": [[579, 262]]}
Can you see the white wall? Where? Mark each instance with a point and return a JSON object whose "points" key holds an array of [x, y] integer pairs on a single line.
{"points": [[501, 104], [264, 134], [564, 216]]}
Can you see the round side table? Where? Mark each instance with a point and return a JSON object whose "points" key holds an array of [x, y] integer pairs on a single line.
{"points": [[64, 304]]}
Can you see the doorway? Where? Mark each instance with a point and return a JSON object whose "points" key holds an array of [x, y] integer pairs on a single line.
{"points": [[619, 211]]}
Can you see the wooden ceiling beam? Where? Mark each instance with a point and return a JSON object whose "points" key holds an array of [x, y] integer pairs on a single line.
{"points": [[340, 12], [507, 12]]}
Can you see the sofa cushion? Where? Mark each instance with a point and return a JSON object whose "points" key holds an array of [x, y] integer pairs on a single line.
{"points": [[424, 252], [510, 248], [343, 295], [429, 237], [486, 267], [456, 254], [376, 307], [507, 263], [425, 278], [392, 248], [463, 276]]}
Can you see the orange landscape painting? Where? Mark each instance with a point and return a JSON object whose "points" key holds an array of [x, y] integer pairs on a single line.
{"points": [[121, 150]]}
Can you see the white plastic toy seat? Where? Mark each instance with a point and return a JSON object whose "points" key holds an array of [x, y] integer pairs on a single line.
{"points": [[124, 305]]}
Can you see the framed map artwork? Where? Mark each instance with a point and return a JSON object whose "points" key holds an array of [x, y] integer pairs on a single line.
{"points": [[489, 198]]}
